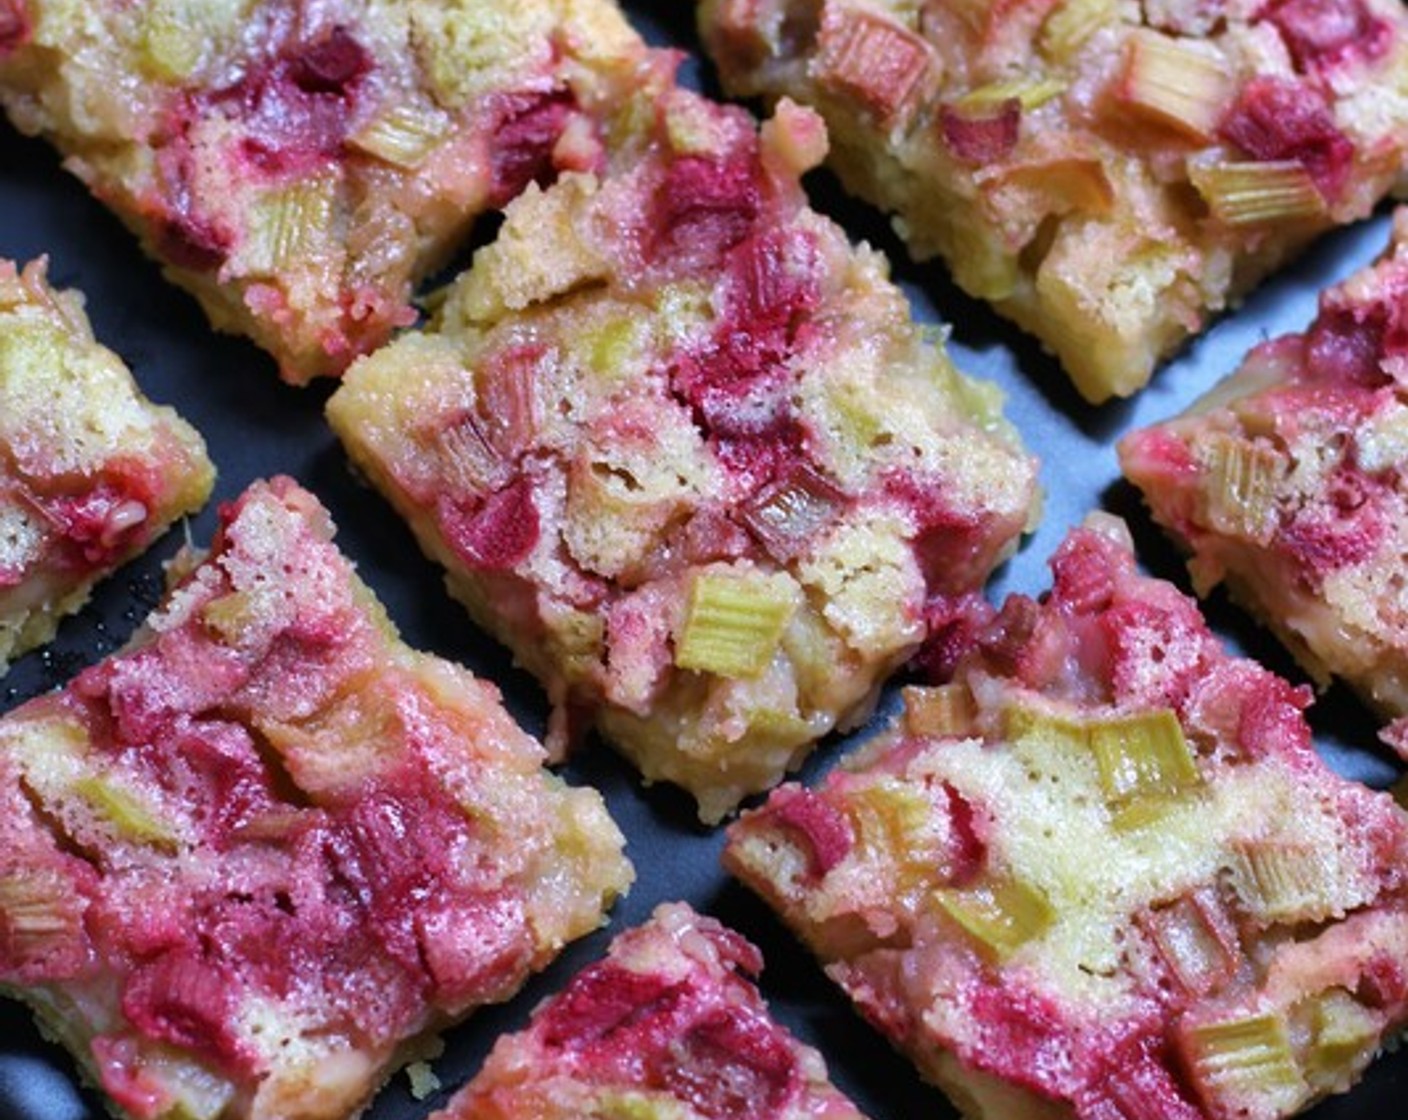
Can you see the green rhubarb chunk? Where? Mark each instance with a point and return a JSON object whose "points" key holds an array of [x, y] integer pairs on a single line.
{"points": [[197, 1093], [404, 135], [1344, 1035], [627, 1104], [612, 346], [1177, 81], [1029, 93], [1142, 757], [37, 911], [1070, 24], [1001, 913], [1283, 882], [734, 622], [946, 711], [129, 815], [1255, 193], [1244, 1060], [287, 225], [1056, 732], [1242, 480]]}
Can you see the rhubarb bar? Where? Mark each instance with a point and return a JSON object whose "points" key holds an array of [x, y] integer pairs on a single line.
{"points": [[668, 1026], [1101, 872], [680, 446], [1107, 175], [255, 861], [1289, 482], [300, 167], [91, 472]]}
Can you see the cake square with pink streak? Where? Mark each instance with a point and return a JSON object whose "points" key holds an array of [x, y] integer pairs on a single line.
{"points": [[256, 861], [681, 446], [91, 472], [301, 167], [1101, 873]]}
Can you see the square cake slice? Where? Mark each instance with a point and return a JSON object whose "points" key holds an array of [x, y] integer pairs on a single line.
{"points": [[1107, 174], [1102, 873], [300, 167], [255, 861], [682, 448], [667, 1027], [91, 472], [1289, 482]]}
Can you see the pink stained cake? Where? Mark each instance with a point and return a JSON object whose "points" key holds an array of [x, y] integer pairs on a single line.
{"points": [[1289, 481], [1101, 874], [257, 860], [668, 1027], [1106, 174], [300, 167], [91, 472], [681, 447]]}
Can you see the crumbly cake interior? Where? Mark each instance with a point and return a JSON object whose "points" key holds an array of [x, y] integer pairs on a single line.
{"points": [[301, 167], [1107, 173], [1102, 871], [669, 1026], [682, 448], [91, 472], [254, 862], [1287, 482]]}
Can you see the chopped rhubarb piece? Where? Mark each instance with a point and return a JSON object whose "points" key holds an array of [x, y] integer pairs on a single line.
{"points": [[734, 621], [1239, 1061], [981, 136], [1257, 194], [404, 135], [827, 831], [999, 921], [1244, 479], [1143, 756], [1196, 940], [254, 860], [1070, 24], [1001, 914], [41, 923], [331, 64], [864, 56], [669, 1024], [1348, 347], [1177, 82], [497, 534], [706, 205], [1341, 1031], [788, 515], [942, 711], [523, 143]]}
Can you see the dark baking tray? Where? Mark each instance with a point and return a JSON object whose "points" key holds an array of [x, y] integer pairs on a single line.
{"points": [[257, 426]]}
